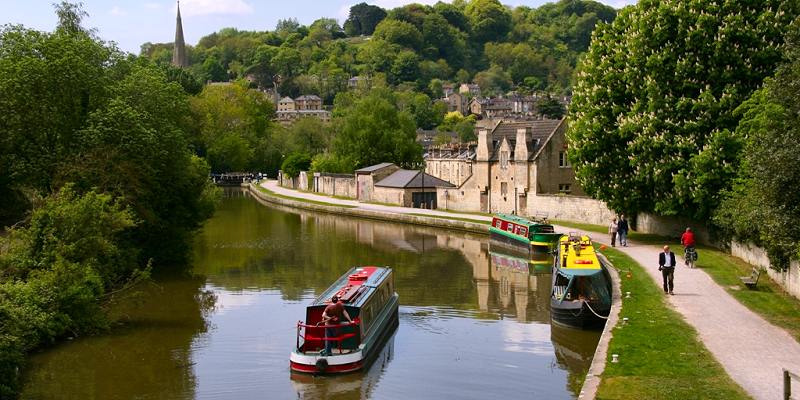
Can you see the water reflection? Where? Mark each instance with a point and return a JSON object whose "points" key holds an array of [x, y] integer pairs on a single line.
{"points": [[473, 320]]}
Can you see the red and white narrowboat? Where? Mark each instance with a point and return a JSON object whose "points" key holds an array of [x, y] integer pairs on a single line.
{"points": [[370, 300]]}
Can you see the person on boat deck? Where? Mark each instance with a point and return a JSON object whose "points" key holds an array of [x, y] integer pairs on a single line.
{"points": [[331, 317], [687, 240], [612, 230], [666, 264], [622, 231]]}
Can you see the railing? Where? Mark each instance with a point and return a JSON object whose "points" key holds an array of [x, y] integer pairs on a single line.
{"points": [[316, 332], [787, 383]]}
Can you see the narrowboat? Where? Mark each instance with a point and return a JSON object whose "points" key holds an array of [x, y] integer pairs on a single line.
{"points": [[581, 291], [522, 233], [370, 300]]}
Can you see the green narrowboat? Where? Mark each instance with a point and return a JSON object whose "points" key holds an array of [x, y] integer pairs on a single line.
{"points": [[523, 234]]}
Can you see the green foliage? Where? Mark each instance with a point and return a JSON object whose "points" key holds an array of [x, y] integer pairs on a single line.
{"points": [[234, 124], [764, 191], [54, 273], [654, 103], [294, 163], [552, 108], [411, 45], [490, 20], [454, 121], [363, 19], [372, 131]]}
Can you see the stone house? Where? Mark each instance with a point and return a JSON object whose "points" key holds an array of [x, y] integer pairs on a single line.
{"points": [[457, 102], [520, 168], [497, 108], [410, 188], [476, 106], [447, 89], [308, 102], [358, 82], [470, 89], [367, 177], [286, 104]]}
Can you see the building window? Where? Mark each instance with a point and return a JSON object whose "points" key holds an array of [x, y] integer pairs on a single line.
{"points": [[503, 159], [503, 188], [564, 188], [563, 161]]}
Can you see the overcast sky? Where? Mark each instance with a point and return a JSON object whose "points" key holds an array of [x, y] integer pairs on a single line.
{"points": [[130, 23]]}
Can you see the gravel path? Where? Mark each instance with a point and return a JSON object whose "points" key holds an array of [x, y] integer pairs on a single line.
{"points": [[751, 350]]}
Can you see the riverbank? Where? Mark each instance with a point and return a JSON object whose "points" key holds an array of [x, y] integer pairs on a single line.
{"points": [[753, 355]]}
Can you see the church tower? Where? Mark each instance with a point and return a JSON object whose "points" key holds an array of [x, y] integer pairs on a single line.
{"points": [[179, 48]]}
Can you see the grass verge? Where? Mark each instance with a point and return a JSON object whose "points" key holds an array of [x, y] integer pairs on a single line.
{"points": [[646, 238], [660, 355], [280, 196]]}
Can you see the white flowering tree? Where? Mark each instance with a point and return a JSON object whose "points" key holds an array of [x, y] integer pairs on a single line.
{"points": [[653, 112]]}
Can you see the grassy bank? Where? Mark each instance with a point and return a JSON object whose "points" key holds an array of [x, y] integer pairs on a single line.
{"points": [[660, 355]]}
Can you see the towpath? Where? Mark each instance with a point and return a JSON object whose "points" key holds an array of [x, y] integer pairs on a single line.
{"points": [[751, 350]]}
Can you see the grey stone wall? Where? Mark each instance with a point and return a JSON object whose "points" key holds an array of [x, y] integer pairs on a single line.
{"points": [[754, 255], [671, 226], [569, 208]]}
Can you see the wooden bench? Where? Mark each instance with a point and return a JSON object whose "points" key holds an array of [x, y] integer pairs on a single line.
{"points": [[752, 280]]}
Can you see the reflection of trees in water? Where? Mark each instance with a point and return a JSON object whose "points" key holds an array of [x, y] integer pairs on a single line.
{"points": [[249, 245], [574, 350], [149, 356]]}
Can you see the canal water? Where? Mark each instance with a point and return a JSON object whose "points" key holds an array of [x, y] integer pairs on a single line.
{"points": [[474, 323]]}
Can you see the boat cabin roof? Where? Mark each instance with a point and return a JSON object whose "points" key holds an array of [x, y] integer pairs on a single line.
{"points": [[577, 256], [518, 220], [355, 286]]}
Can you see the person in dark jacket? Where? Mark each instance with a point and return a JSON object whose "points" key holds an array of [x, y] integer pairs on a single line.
{"points": [[622, 231], [666, 264]]}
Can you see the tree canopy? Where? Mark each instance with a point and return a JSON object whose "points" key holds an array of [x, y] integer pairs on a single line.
{"points": [[653, 110]]}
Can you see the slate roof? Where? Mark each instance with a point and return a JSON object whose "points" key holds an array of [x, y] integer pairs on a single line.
{"points": [[287, 100], [538, 133], [374, 168], [412, 179], [308, 97]]}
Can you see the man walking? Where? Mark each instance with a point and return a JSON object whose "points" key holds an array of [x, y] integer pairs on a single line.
{"points": [[622, 231], [666, 264]]}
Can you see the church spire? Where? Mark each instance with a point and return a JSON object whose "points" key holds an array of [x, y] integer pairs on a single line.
{"points": [[179, 48]]}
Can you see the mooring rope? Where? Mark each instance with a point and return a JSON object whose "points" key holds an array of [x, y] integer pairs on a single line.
{"points": [[590, 309]]}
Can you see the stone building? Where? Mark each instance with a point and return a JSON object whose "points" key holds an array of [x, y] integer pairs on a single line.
{"points": [[516, 167], [457, 102], [470, 89], [308, 102], [409, 188], [286, 104], [367, 177]]}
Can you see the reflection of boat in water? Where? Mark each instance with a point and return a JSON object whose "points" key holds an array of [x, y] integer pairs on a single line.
{"points": [[574, 348], [369, 298], [357, 385], [523, 234], [581, 293], [539, 262]]}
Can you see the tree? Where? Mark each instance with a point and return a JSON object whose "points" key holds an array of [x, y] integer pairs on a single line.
{"points": [[294, 163], [654, 103], [490, 20], [762, 192], [363, 19], [374, 131], [400, 33], [551, 108], [234, 123]]}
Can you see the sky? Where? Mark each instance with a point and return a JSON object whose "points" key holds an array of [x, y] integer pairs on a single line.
{"points": [[130, 23]]}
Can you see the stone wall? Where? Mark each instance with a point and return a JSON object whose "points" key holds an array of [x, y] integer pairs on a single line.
{"points": [[754, 255], [569, 208], [342, 185], [671, 226], [285, 181], [302, 181]]}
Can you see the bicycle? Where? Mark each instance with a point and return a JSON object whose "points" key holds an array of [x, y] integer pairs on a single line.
{"points": [[690, 256]]}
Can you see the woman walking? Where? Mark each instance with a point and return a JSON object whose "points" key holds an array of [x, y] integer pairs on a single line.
{"points": [[612, 230]]}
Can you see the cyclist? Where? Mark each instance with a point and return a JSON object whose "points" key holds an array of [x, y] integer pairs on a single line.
{"points": [[687, 240]]}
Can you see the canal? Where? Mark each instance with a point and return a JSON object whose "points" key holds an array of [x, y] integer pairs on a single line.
{"points": [[473, 322]]}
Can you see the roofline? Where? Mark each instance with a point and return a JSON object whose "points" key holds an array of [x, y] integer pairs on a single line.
{"points": [[549, 137]]}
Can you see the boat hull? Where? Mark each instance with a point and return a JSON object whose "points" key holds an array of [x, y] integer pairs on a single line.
{"points": [[577, 315], [314, 363]]}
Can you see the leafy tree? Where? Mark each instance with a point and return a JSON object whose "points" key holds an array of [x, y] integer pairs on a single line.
{"points": [[234, 122], [551, 108], [764, 189], [405, 67], [294, 163], [655, 98], [489, 20], [309, 136], [495, 80], [213, 71], [400, 33], [363, 19], [373, 131]]}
